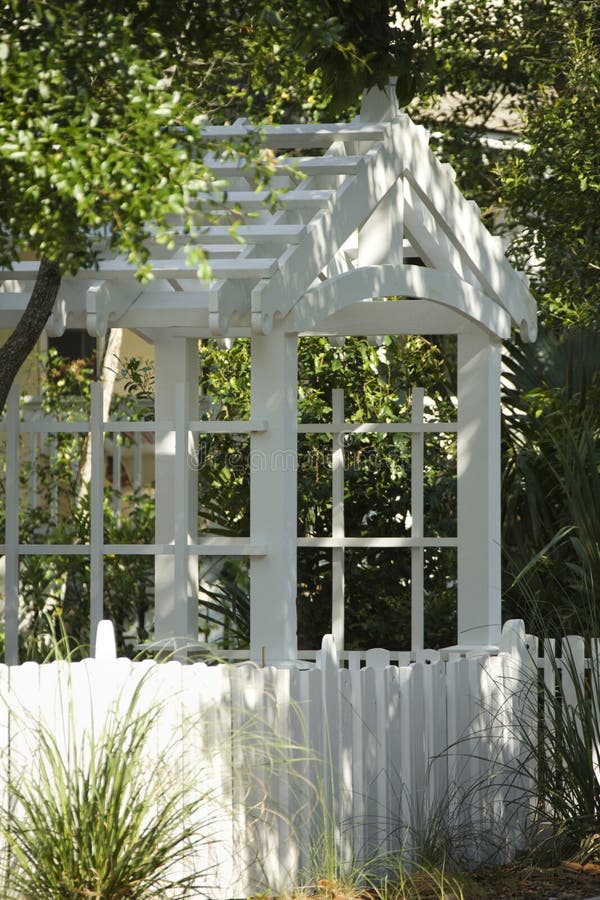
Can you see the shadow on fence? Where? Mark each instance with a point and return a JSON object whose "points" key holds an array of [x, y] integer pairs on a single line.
{"points": [[303, 772]]}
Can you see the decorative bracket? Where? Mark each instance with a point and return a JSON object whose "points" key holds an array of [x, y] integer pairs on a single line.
{"points": [[105, 301]]}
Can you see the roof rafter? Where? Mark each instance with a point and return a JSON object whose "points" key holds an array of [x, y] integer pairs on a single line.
{"points": [[348, 217]]}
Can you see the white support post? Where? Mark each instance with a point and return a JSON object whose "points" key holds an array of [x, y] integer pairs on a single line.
{"points": [[11, 650], [417, 561], [478, 489], [273, 496], [337, 519], [379, 104], [116, 476], [33, 456], [185, 567], [96, 510], [176, 495], [52, 455], [137, 462]]}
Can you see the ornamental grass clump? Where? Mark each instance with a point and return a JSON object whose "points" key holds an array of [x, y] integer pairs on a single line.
{"points": [[95, 820], [566, 770]]}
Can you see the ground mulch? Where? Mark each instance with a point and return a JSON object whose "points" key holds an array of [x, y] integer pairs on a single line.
{"points": [[567, 881]]}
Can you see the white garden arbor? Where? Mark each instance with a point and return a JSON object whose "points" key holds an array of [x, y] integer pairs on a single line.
{"points": [[362, 203]]}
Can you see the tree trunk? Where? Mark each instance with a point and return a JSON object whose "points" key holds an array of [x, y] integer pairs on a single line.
{"points": [[22, 341]]}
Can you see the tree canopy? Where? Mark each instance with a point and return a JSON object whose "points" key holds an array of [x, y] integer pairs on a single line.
{"points": [[528, 71], [101, 120]]}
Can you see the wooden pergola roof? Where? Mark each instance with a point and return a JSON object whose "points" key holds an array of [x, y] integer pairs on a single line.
{"points": [[369, 236], [366, 211]]}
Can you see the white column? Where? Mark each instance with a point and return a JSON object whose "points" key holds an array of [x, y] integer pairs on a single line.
{"points": [[11, 603], [273, 496], [96, 457], [176, 495], [478, 469], [337, 520], [417, 528]]}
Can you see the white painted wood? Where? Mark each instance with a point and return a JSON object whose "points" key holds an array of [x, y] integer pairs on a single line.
{"points": [[246, 685], [463, 225], [361, 738], [232, 426], [229, 302], [96, 510], [106, 302], [300, 198], [377, 660], [4, 738], [198, 778], [393, 737], [14, 300], [375, 174], [23, 705], [137, 463], [406, 759], [434, 679], [549, 670], [478, 489], [376, 542], [252, 234], [116, 476], [185, 585], [273, 500], [379, 428], [417, 736], [346, 763], [337, 518], [105, 645], [331, 729], [207, 545], [306, 165], [120, 269], [298, 769], [369, 740], [379, 104], [348, 212], [215, 718], [457, 720], [187, 309], [428, 239], [448, 223], [300, 136], [573, 674], [176, 602], [311, 699], [417, 559], [11, 549], [380, 240], [595, 698], [289, 856], [444, 288]]}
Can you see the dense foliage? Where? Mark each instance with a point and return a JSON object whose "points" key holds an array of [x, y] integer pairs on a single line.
{"points": [[54, 509], [551, 484], [525, 74], [377, 381]]}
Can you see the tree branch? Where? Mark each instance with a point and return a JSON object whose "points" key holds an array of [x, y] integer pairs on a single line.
{"points": [[24, 338]]}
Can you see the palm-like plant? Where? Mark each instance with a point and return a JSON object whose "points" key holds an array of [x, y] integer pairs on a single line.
{"points": [[551, 481]]}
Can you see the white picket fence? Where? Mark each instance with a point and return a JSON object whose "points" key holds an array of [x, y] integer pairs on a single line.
{"points": [[294, 762]]}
